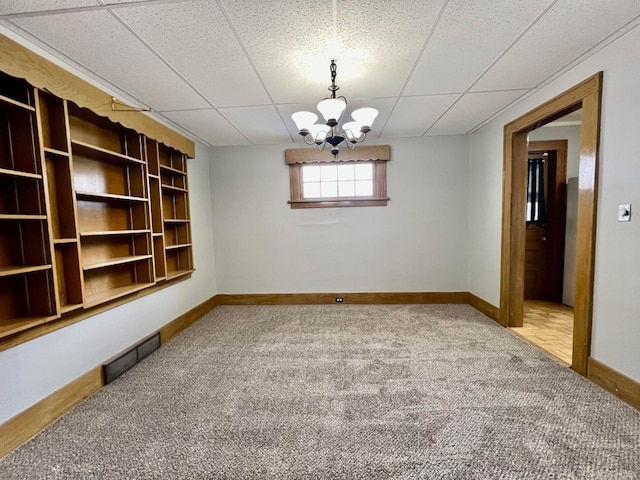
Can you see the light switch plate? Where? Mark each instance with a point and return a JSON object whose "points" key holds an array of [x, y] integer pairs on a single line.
{"points": [[624, 212]]}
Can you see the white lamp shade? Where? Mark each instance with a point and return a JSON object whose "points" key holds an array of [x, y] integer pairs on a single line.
{"points": [[319, 132], [331, 108], [351, 130], [365, 116], [304, 120]]}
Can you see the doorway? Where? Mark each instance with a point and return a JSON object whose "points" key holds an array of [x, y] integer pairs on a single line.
{"points": [[586, 95]]}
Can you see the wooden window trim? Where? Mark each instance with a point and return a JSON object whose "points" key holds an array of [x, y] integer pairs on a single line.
{"points": [[378, 155]]}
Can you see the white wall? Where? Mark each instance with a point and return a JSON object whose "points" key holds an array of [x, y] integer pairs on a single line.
{"points": [[418, 242], [31, 371], [571, 133], [616, 320]]}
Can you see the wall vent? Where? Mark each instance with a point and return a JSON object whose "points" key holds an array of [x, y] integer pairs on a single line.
{"points": [[122, 362]]}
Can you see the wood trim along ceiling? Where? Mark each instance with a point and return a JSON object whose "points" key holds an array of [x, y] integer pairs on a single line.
{"points": [[18, 61], [586, 95]]}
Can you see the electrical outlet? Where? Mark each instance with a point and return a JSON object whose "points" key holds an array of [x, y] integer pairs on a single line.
{"points": [[339, 300]]}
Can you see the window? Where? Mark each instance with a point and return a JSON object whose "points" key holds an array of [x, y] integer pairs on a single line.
{"points": [[357, 178]]}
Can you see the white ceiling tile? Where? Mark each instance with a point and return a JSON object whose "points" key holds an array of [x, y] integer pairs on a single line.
{"points": [[414, 115], [471, 110], [207, 53], [23, 6], [260, 124], [291, 44], [209, 125], [104, 46], [565, 32], [468, 38]]}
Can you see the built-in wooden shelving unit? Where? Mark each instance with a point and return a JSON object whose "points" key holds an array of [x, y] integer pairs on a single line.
{"points": [[90, 211]]}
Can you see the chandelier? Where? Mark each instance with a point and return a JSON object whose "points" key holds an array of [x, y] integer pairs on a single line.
{"points": [[332, 132]]}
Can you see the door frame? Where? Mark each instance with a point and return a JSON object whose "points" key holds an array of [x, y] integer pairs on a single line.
{"points": [[586, 95]]}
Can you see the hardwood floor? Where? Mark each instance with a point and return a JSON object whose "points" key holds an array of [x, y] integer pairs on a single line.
{"points": [[548, 326]]}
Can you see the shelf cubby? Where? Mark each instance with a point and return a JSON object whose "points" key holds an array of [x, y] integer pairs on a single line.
{"points": [[160, 267], [61, 202], [26, 300], [18, 146], [24, 244], [105, 284], [176, 234], [15, 90], [53, 121], [155, 196], [96, 251], [68, 276], [178, 262], [153, 162], [21, 195]]}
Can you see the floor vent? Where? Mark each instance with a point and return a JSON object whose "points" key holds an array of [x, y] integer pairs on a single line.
{"points": [[116, 366]]}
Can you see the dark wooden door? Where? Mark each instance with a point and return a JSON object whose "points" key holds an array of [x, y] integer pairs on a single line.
{"points": [[544, 249]]}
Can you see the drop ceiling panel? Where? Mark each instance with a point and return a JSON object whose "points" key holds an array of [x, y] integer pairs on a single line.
{"points": [[22, 6], [471, 110], [195, 39], [414, 115], [466, 42], [292, 43], [565, 32], [209, 126], [262, 125], [105, 47]]}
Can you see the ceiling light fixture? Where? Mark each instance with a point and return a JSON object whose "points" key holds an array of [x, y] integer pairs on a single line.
{"points": [[332, 109]]}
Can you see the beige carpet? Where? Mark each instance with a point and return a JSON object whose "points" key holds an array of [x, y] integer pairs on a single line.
{"points": [[346, 392]]}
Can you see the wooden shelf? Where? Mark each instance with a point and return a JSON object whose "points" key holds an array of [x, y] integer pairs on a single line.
{"points": [[177, 273], [18, 269], [64, 241], [116, 261], [70, 308], [173, 189], [158, 234], [15, 104], [14, 325], [111, 294], [113, 232], [151, 175], [102, 153], [176, 220], [167, 169], [54, 151], [108, 197], [175, 247], [18, 173], [17, 216]]}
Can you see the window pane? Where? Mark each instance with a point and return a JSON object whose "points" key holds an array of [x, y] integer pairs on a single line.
{"points": [[346, 189], [310, 173], [329, 189], [346, 172], [364, 171], [328, 173], [364, 188], [311, 190]]}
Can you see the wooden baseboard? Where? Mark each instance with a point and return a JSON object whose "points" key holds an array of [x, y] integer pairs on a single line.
{"points": [[174, 327], [36, 418], [483, 306], [353, 298], [620, 385]]}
